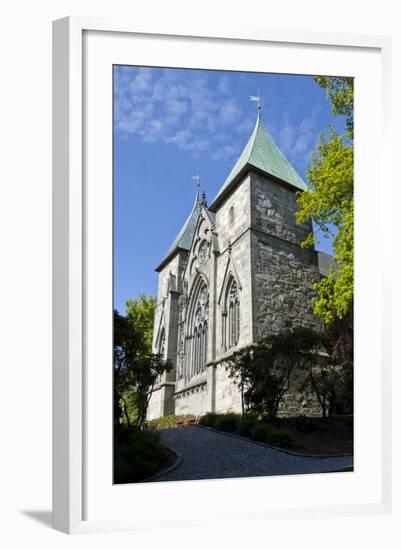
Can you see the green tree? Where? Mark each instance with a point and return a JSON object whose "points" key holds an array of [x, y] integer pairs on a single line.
{"points": [[144, 372], [326, 382], [340, 91], [126, 341], [141, 314], [263, 371], [330, 202], [239, 366], [136, 368]]}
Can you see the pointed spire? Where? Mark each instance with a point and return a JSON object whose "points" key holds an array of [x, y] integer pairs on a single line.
{"points": [[262, 153], [196, 179]]}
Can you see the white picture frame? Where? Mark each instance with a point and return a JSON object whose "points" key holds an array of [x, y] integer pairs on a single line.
{"points": [[70, 260]]}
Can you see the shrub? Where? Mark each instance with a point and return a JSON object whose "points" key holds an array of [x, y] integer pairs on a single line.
{"points": [[164, 422], [267, 433], [137, 454], [282, 438], [262, 432], [209, 419], [227, 422], [246, 424]]}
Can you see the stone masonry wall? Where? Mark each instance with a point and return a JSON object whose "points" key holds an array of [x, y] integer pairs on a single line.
{"points": [[155, 407], [228, 397], [192, 400], [298, 402], [173, 266], [163, 310], [235, 231], [228, 229], [273, 210], [166, 314], [283, 275], [240, 258]]}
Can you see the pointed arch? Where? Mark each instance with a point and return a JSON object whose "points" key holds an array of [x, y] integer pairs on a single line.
{"points": [[229, 272], [200, 282], [196, 328], [161, 327], [161, 344], [231, 321]]}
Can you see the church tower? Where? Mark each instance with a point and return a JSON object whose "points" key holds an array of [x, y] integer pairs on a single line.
{"points": [[235, 273], [281, 273]]}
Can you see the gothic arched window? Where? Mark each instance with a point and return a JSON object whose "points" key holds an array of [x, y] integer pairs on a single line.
{"points": [[162, 342], [231, 316], [196, 349], [231, 215]]}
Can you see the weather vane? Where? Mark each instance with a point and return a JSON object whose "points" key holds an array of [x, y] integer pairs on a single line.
{"points": [[197, 179], [257, 99]]}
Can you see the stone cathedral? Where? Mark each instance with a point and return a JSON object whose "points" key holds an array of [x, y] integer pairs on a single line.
{"points": [[235, 273]]}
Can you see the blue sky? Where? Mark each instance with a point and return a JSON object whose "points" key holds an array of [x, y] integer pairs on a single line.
{"points": [[170, 123]]}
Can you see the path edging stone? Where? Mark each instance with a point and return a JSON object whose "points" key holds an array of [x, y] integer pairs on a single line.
{"points": [[178, 460]]}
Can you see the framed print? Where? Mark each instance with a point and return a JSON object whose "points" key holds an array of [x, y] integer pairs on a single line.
{"points": [[247, 365]]}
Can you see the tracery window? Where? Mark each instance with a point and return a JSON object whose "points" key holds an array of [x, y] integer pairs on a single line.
{"points": [[197, 336], [231, 316], [203, 251]]}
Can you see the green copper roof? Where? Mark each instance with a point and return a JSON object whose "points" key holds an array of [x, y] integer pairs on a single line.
{"points": [[262, 153], [184, 237]]}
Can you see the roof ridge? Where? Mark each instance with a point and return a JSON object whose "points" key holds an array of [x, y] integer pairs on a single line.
{"points": [[185, 233]]}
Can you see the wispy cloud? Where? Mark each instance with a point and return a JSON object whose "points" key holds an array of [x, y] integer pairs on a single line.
{"points": [[180, 108], [296, 136], [224, 152], [207, 114]]}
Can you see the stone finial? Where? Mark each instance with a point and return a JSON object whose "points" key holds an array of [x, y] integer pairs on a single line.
{"points": [[229, 247]]}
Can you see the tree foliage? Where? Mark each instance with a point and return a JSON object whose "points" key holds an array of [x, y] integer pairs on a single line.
{"points": [[136, 368], [141, 314], [325, 382], [143, 374], [340, 91], [330, 202], [262, 371], [125, 346], [137, 454], [340, 341]]}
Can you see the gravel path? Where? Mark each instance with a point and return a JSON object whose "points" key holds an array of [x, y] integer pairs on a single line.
{"points": [[207, 454]]}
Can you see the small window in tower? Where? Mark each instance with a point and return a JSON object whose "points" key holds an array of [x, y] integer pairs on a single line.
{"points": [[231, 215]]}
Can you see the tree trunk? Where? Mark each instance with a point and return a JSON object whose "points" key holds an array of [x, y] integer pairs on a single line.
{"points": [[126, 411]]}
